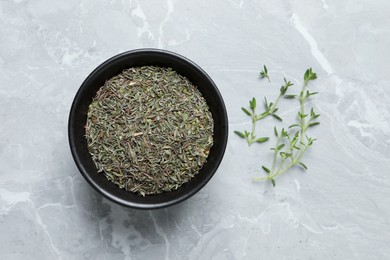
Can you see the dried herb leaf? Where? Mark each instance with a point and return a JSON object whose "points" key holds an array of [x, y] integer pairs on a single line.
{"points": [[149, 130]]}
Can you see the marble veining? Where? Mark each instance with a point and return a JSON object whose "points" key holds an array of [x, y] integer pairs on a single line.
{"points": [[338, 209]]}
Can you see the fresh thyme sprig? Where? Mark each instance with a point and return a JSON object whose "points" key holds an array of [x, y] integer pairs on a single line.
{"points": [[264, 73], [250, 137], [289, 149], [270, 110]]}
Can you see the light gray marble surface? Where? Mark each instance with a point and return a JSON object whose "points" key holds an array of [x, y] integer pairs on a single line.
{"points": [[338, 209]]}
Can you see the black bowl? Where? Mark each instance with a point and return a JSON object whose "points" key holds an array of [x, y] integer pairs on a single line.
{"points": [[114, 66]]}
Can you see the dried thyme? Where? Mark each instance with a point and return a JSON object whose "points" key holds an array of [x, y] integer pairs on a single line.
{"points": [[149, 130]]}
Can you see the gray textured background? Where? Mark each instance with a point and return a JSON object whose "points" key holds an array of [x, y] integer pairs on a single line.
{"points": [[338, 209]]}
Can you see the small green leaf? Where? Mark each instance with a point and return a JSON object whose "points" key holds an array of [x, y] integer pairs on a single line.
{"points": [[285, 155], [311, 141], [262, 139], [280, 147], [313, 124], [277, 117], [246, 111], [276, 131], [247, 133], [252, 103], [273, 182], [309, 75], [294, 141], [308, 93], [283, 90], [264, 73], [266, 103], [290, 96], [284, 133], [265, 169], [306, 75], [287, 83], [303, 165], [301, 115], [239, 134], [315, 116], [294, 125]]}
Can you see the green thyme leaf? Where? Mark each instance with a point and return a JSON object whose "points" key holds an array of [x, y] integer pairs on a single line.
{"points": [[309, 75], [252, 103], [264, 73], [313, 124], [266, 103], [265, 169], [262, 139], [284, 133], [290, 96], [287, 83], [303, 165], [308, 93], [302, 115], [283, 90], [312, 112], [277, 117], [239, 134], [246, 111]]}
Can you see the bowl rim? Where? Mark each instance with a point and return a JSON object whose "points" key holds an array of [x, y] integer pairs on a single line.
{"points": [[79, 162]]}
